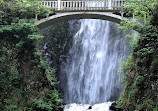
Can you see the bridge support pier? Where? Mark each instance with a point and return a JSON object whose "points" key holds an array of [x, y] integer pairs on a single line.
{"points": [[133, 16], [59, 4], [122, 14], [110, 4], [36, 17]]}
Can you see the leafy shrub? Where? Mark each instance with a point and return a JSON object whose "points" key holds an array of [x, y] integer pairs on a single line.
{"points": [[140, 80], [50, 102]]}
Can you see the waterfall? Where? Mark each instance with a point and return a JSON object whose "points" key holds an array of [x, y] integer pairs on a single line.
{"points": [[92, 65]]}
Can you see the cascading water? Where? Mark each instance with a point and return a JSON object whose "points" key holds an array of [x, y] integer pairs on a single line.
{"points": [[93, 63]]}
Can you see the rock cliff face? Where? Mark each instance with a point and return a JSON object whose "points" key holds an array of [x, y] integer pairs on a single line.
{"points": [[56, 44]]}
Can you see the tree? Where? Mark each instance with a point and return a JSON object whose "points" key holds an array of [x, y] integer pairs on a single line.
{"points": [[143, 11]]}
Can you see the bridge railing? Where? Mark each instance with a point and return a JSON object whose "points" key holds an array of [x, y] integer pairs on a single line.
{"points": [[84, 5]]}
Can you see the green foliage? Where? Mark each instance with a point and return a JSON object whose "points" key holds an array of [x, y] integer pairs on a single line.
{"points": [[50, 102], [22, 36], [140, 69], [130, 63], [31, 8], [41, 105], [144, 12], [22, 9], [141, 72], [23, 73], [51, 78], [147, 104], [1, 12], [140, 80]]}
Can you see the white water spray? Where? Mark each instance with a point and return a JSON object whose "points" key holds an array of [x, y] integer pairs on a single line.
{"points": [[93, 62]]}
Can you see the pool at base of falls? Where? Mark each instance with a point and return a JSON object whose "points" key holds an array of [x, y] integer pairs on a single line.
{"points": [[87, 107]]}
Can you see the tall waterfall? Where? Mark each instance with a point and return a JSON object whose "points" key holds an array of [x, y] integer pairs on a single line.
{"points": [[92, 65]]}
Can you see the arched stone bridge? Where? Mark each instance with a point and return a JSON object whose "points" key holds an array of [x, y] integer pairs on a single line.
{"points": [[82, 9]]}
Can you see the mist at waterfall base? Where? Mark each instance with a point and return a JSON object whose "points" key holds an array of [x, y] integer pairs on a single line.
{"points": [[92, 66]]}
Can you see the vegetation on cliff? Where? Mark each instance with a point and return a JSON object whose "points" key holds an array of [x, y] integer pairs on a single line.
{"points": [[141, 71], [55, 47], [26, 81]]}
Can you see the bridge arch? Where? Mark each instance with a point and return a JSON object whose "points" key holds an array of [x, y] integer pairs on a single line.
{"points": [[77, 15]]}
